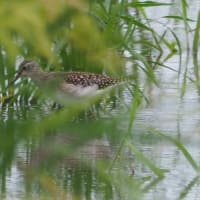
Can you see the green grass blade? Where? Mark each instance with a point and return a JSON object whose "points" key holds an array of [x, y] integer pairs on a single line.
{"points": [[133, 110], [179, 51], [140, 156], [136, 22], [188, 188], [195, 51], [178, 18], [148, 4], [181, 147]]}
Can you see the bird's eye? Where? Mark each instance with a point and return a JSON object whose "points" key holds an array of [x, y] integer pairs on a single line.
{"points": [[24, 68]]}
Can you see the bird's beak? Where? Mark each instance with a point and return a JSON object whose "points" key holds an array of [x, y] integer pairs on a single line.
{"points": [[16, 77]]}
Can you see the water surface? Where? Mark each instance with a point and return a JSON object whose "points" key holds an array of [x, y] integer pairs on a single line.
{"points": [[76, 169]]}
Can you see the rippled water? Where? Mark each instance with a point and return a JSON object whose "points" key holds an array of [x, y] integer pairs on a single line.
{"points": [[179, 118], [166, 112]]}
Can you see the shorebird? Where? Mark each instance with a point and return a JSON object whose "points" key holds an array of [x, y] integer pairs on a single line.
{"points": [[72, 84]]}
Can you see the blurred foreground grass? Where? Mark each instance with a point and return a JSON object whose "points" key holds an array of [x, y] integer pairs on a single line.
{"points": [[110, 37]]}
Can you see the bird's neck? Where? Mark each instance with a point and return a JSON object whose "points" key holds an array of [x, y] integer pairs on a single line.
{"points": [[43, 78], [38, 77]]}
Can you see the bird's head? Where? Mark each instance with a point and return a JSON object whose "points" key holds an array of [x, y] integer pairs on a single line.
{"points": [[26, 69]]}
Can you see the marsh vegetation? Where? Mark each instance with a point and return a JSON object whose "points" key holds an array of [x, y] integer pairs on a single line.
{"points": [[138, 141]]}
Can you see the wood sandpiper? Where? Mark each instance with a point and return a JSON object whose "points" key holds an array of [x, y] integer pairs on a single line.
{"points": [[73, 84]]}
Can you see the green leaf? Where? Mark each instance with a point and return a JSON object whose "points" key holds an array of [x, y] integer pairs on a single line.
{"points": [[148, 4], [178, 18]]}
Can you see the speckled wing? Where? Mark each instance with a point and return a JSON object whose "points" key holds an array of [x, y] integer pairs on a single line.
{"points": [[85, 79]]}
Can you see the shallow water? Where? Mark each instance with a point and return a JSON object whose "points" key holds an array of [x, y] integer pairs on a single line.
{"points": [[179, 118], [166, 112]]}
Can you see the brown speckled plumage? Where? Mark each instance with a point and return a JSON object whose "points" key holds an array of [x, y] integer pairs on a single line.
{"points": [[88, 79]]}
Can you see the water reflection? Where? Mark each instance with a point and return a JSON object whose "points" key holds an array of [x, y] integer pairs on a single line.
{"points": [[64, 162], [65, 171], [63, 143], [179, 118]]}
